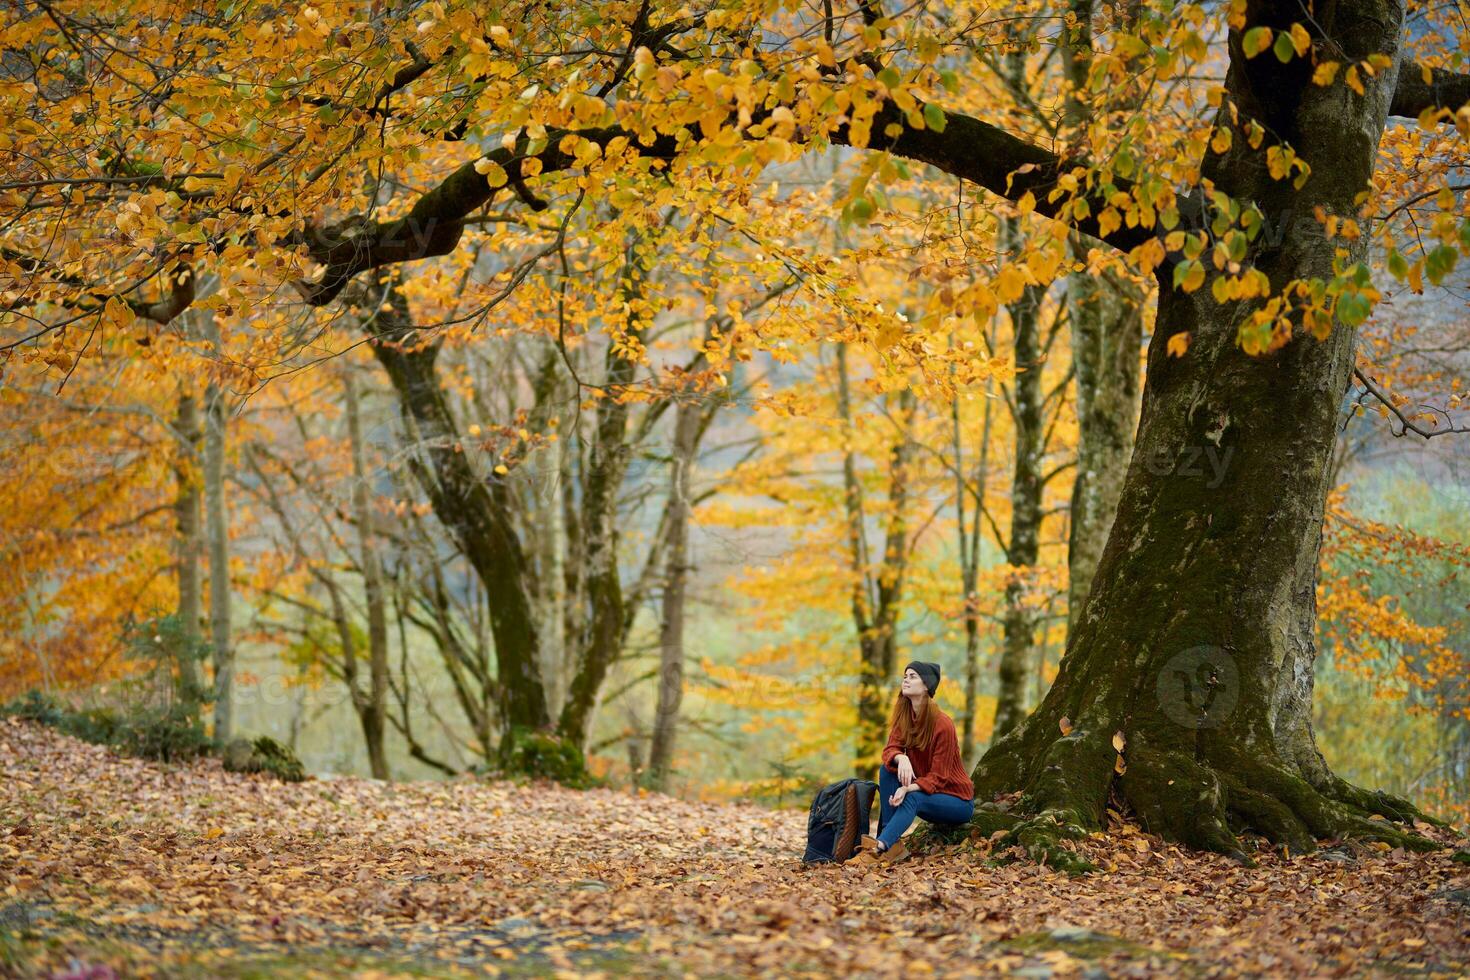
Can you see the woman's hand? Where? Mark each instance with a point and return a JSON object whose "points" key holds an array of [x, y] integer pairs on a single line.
{"points": [[905, 770], [898, 795]]}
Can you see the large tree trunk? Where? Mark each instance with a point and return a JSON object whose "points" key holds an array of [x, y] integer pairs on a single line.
{"points": [[1198, 640], [671, 632], [372, 710], [1019, 619]]}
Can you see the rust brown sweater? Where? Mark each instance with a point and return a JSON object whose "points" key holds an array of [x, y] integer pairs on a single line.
{"points": [[937, 769]]}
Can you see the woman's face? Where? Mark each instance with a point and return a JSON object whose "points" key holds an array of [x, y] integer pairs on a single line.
{"points": [[912, 684]]}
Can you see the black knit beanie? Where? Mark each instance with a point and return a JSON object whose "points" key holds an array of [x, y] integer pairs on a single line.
{"points": [[928, 673]]}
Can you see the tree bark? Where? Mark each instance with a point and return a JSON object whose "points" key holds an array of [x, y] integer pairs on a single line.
{"points": [[551, 545], [372, 711], [1198, 640], [687, 423]]}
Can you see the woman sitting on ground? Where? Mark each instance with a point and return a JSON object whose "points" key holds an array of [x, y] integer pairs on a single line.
{"points": [[922, 774]]}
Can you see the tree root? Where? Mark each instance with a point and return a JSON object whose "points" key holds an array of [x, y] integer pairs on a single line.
{"points": [[1274, 819], [1202, 803], [1326, 817], [930, 836], [1073, 780], [988, 819], [1042, 837], [1183, 800], [1179, 799], [1372, 801]]}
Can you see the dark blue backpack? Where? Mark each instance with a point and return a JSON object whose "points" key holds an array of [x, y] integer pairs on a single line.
{"points": [[839, 817]]}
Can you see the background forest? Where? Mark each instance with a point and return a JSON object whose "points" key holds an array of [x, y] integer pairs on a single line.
{"points": [[758, 432]]}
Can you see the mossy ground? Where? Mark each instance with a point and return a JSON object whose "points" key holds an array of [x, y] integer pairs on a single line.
{"points": [[36, 941]]}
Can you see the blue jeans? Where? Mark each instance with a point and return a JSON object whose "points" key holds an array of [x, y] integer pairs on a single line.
{"points": [[934, 807]]}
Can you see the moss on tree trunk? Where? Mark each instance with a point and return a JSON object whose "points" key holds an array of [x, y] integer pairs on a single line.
{"points": [[1197, 639]]}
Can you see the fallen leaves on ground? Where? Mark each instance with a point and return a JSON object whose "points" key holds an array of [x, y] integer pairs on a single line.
{"points": [[140, 864]]}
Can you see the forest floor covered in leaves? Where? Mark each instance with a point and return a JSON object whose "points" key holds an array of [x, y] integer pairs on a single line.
{"points": [[114, 866]]}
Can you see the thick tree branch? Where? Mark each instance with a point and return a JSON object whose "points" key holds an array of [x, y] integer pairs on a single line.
{"points": [[179, 297], [1444, 90], [967, 147], [1003, 164]]}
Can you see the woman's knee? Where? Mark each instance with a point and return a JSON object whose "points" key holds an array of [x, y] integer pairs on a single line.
{"points": [[936, 807]]}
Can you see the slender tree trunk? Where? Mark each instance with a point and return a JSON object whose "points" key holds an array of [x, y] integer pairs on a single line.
{"points": [[876, 598], [217, 520], [402, 720], [373, 711], [1019, 621], [552, 544], [671, 634], [188, 545], [475, 510], [1197, 647], [870, 702], [891, 574], [604, 479], [1106, 316], [574, 607], [970, 571]]}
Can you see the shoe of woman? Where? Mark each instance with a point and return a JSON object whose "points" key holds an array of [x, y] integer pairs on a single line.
{"points": [[894, 854], [868, 843], [869, 857]]}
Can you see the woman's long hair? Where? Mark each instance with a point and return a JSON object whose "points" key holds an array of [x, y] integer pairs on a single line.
{"points": [[916, 733]]}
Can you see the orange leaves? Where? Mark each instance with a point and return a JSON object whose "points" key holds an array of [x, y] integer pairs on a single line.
{"points": [[494, 174], [1282, 160], [1189, 275], [1009, 284], [1292, 43]]}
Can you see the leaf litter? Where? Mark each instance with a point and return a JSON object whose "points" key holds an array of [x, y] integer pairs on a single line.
{"points": [[111, 866]]}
